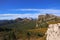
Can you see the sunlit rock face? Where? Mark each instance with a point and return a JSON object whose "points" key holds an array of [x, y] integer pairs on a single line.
{"points": [[53, 32]]}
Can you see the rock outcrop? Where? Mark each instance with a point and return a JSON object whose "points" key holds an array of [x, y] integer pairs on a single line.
{"points": [[53, 32]]}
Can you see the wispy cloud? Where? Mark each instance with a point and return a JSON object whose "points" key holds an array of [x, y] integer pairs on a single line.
{"points": [[25, 9], [41, 11], [45, 10], [13, 16], [29, 14]]}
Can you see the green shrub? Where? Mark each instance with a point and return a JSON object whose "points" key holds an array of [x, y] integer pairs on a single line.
{"points": [[40, 34]]}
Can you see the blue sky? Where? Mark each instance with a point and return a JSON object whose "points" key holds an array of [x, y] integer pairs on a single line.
{"points": [[11, 9]]}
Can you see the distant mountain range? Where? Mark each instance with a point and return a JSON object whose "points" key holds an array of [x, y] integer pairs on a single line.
{"points": [[24, 23]]}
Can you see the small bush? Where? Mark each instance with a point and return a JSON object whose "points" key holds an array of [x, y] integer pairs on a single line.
{"points": [[40, 34]]}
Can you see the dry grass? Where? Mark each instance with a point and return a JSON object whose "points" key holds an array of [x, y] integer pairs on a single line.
{"points": [[39, 30], [42, 30], [53, 22]]}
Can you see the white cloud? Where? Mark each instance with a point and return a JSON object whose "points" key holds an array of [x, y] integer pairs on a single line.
{"points": [[25, 9], [40, 10], [13, 16], [50, 11], [35, 15]]}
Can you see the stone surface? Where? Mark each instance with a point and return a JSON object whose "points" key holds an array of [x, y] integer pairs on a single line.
{"points": [[53, 32]]}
